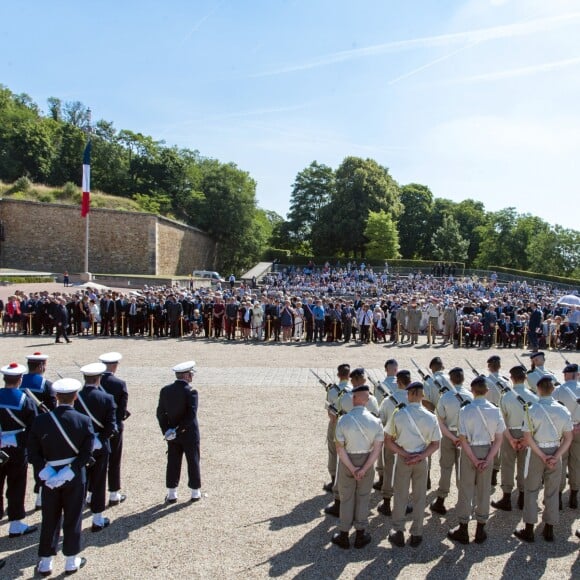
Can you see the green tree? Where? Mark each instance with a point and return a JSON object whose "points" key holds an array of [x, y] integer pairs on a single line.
{"points": [[312, 190], [470, 215], [383, 238], [448, 244], [362, 185], [496, 235], [414, 237]]}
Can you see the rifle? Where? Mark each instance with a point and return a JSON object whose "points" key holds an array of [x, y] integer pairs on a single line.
{"points": [[441, 388], [565, 359], [379, 386], [521, 363], [37, 401], [475, 371], [327, 386], [520, 399]]}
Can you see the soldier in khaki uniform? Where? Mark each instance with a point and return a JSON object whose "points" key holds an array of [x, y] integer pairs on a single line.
{"points": [[413, 434], [548, 433], [568, 393], [480, 433], [388, 407], [496, 385], [387, 387], [333, 396], [413, 322], [514, 406], [432, 390], [359, 440], [402, 322], [538, 358], [448, 414], [345, 404]]}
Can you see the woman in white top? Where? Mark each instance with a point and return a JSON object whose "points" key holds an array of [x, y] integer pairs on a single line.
{"points": [[298, 321], [257, 320]]}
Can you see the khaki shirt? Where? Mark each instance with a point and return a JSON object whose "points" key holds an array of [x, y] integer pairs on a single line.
{"points": [[432, 393], [389, 384], [512, 409], [358, 430], [345, 404], [548, 432], [569, 393], [449, 405], [334, 394], [405, 425], [536, 375], [494, 394], [480, 422], [388, 406]]}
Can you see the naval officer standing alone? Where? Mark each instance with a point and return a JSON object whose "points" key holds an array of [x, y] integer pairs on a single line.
{"points": [[177, 417]]}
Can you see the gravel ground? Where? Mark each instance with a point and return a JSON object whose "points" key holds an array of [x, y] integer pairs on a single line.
{"points": [[263, 431]]}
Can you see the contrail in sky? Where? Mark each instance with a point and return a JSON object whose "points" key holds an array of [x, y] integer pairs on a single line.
{"points": [[471, 37]]}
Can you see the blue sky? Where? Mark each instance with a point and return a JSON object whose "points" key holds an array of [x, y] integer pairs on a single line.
{"points": [[476, 99]]}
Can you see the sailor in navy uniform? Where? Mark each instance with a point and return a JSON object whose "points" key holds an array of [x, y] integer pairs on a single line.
{"points": [[35, 381], [59, 446], [117, 388], [177, 417], [17, 412], [41, 388], [100, 407]]}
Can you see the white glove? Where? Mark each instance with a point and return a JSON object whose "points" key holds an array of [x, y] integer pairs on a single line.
{"points": [[8, 441], [170, 435], [66, 474], [97, 443], [47, 472]]}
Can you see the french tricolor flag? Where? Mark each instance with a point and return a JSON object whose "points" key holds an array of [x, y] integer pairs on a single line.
{"points": [[86, 201]]}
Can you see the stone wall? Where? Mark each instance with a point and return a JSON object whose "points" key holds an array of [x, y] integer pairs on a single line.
{"points": [[52, 237]]}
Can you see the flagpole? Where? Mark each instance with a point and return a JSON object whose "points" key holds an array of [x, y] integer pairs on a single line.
{"points": [[87, 245], [86, 276]]}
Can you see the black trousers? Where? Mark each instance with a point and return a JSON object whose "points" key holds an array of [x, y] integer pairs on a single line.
{"points": [[114, 469], [97, 480], [188, 445], [13, 474], [62, 506]]}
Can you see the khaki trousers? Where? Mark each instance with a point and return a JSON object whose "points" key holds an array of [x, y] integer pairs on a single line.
{"points": [[449, 456], [474, 487], [388, 463], [509, 458], [533, 484], [332, 457], [404, 476], [354, 495], [571, 461]]}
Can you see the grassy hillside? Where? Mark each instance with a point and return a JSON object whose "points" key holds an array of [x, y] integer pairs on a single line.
{"points": [[69, 194]]}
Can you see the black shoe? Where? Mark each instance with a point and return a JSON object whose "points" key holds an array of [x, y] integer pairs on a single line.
{"points": [[341, 540], [378, 485], [505, 503], [494, 477], [521, 500], [327, 487], [480, 535], [459, 534], [114, 502], [68, 341], [170, 500], [97, 528], [548, 533], [385, 507], [333, 509], [57, 342], [525, 534], [438, 506], [81, 565], [415, 541], [397, 538], [28, 530], [362, 538], [573, 501]]}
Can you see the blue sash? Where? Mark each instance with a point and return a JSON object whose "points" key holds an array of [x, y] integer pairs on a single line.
{"points": [[35, 383], [12, 399]]}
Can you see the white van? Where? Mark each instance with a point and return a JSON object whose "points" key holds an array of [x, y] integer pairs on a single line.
{"points": [[214, 277]]}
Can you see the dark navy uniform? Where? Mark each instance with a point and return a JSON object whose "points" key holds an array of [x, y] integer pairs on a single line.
{"points": [[41, 388], [102, 407], [65, 503], [177, 410], [14, 433], [117, 388]]}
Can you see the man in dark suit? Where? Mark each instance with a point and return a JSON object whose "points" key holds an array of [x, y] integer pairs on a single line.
{"points": [[535, 323], [100, 407], [59, 315], [117, 388], [177, 417], [60, 446]]}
